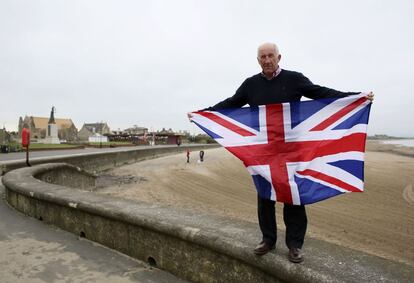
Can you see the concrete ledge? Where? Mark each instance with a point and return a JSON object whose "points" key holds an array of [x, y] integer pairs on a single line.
{"points": [[197, 247], [96, 162]]}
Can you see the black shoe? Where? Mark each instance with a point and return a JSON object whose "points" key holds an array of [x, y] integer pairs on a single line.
{"points": [[295, 255], [263, 248]]}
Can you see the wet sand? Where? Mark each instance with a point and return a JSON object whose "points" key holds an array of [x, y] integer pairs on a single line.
{"points": [[379, 221]]}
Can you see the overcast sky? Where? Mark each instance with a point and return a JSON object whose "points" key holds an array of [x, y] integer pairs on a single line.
{"points": [[148, 63]]}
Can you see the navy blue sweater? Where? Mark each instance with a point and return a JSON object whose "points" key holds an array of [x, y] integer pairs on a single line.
{"points": [[288, 86]]}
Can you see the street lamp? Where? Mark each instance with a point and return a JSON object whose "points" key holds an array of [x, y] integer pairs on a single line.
{"points": [[100, 137]]}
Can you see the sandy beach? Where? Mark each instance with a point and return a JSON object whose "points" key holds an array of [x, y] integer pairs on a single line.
{"points": [[379, 221]]}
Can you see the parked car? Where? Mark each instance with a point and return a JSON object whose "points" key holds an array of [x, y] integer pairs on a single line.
{"points": [[4, 148]]}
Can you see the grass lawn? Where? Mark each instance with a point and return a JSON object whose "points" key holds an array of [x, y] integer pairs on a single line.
{"points": [[51, 146], [111, 143]]}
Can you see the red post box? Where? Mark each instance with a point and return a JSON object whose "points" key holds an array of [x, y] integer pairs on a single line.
{"points": [[25, 137]]}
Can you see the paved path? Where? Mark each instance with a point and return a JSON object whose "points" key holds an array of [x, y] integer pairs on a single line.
{"points": [[31, 251]]}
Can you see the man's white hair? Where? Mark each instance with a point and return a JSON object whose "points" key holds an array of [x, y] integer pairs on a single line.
{"points": [[268, 44]]}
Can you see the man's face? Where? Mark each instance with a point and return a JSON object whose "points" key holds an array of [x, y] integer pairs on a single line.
{"points": [[268, 59]]}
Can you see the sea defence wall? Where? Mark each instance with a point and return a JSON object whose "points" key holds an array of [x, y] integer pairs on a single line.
{"points": [[100, 161], [194, 246]]}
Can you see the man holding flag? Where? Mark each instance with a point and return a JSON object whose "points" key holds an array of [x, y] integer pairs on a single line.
{"points": [[274, 85]]}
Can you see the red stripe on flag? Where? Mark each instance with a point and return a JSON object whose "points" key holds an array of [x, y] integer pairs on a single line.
{"points": [[226, 124], [312, 149], [338, 115], [329, 179]]}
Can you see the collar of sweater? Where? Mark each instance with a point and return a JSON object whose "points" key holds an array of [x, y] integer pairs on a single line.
{"points": [[274, 75]]}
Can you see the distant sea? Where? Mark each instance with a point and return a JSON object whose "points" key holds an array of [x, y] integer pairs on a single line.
{"points": [[407, 142]]}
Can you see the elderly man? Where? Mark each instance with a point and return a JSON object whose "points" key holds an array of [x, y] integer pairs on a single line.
{"points": [[276, 85]]}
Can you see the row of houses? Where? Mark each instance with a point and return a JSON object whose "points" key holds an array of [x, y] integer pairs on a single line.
{"points": [[68, 132]]}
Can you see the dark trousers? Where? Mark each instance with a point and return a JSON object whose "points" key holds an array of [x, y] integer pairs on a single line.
{"points": [[295, 221]]}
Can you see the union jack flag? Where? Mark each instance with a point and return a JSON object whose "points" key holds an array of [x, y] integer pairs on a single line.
{"points": [[297, 152]]}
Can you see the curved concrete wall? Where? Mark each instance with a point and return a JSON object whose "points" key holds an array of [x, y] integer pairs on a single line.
{"points": [[197, 247]]}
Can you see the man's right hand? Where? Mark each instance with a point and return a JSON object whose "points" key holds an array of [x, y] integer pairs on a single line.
{"points": [[370, 96]]}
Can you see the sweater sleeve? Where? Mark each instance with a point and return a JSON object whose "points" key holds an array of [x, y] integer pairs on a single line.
{"points": [[239, 99], [310, 90]]}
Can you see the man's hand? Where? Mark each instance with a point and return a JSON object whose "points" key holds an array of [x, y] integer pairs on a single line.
{"points": [[189, 115], [370, 96]]}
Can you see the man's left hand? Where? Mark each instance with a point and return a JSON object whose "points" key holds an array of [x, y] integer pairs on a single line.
{"points": [[370, 96]]}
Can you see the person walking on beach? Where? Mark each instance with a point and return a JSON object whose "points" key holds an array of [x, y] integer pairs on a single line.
{"points": [[188, 156], [201, 155], [276, 85]]}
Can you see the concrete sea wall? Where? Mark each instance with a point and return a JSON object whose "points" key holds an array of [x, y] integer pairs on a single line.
{"points": [[100, 161]]}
